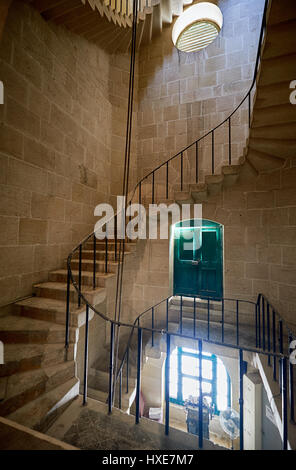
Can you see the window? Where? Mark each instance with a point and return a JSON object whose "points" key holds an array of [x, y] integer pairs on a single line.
{"points": [[185, 377]]}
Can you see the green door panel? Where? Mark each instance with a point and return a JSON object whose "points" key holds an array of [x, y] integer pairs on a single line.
{"points": [[198, 261]]}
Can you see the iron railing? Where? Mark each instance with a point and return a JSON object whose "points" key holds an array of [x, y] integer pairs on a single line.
{"points": [[137, 192]]}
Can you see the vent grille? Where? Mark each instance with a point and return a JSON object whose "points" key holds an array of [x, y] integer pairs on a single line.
{"points": [[197, 36]]}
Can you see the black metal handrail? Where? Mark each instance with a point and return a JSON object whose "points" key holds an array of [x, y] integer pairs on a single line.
{"points": [[138, 186], [270, 339]]}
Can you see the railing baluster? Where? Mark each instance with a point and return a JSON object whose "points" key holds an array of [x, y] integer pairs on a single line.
{"points": [[208, 318], [152, 326], [115, 236], [120, 389], [194, 317], [200, 400], [181, 315], [67, 310], [281, 349], [140, 192], [110, 396], [167, 314], [249, 108], [181, 175], [106, 252], [259, 323], [256, 325], [196, 162], [167, 386], [139, 357], [268, 332], [222, 333], [237, 322], [274, 344], [94, 260], [241, 399], [229, 140], [284, 404], [127, 369], [79, 274], [167, 180], [291, 385], [263, 323], [213, 152], [85, 357]]}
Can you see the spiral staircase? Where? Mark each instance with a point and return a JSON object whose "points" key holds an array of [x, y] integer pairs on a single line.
{"points": [[39, 380]]}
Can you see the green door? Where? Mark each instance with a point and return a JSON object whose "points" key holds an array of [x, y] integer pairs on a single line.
{"points": [[198, 260]]}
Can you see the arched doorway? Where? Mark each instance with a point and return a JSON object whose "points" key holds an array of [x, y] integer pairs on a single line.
{"points": [[198, 258]]}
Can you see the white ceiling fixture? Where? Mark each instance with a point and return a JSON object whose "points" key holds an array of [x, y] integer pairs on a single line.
{"points": [[197, 27]]}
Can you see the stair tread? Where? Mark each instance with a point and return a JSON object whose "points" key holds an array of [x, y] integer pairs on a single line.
{"points": [[49, 304], [19, 323], [32, 413], [22, 381], [19, 351], [84, 273], [63, 286]]}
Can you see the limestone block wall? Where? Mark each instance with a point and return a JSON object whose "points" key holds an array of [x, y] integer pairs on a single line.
{"points": [[182, 96], [58, 147]]}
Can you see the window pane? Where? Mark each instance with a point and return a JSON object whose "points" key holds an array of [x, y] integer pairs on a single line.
{"points": [[190, 387], [207, 369], [191, 351], [206, 387], [221, 386], [174, 374], [190, 365]]}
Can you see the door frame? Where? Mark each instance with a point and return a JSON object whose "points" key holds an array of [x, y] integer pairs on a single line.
{"points": [[198, 223]]}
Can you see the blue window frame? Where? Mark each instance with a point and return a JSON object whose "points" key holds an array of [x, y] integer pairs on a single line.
{"points": [[184, 378]]}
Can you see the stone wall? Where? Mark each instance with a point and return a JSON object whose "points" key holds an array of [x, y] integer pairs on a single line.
{"points": [[58, 148]]}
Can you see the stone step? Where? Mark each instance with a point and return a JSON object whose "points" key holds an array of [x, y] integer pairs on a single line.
{"points": [[214, 183], [24, 357], [183, 197], [97, 394], [274, 115], [87, 265], [199, 192], [51, 310], [60, 275], [285, 131], [99, 380], [281, 12], [280, 39], [278, 148], [272, 95], [263, 161], [15, 329], [278, 70], [58, 291], [231, 174], [100, 255], [24, 387], [130, 245], [41, 412]]}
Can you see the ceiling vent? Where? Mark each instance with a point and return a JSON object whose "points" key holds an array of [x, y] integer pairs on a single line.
{"points": [[197, 27]]}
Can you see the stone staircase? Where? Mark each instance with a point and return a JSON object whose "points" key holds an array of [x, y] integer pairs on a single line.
{"points": [[38, 378]]}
